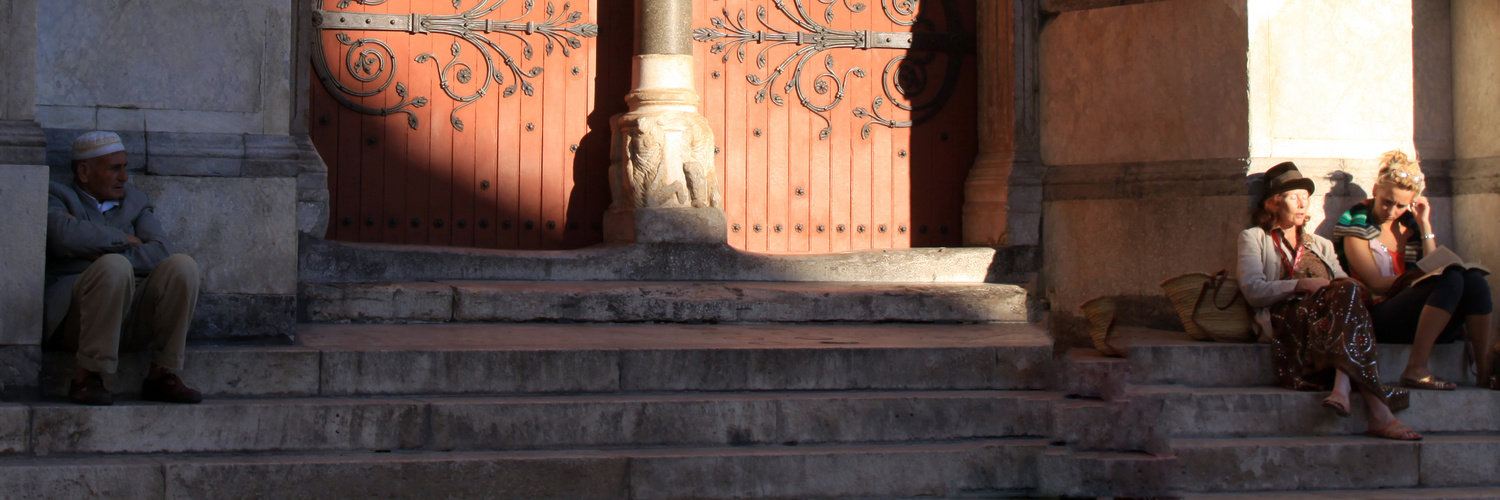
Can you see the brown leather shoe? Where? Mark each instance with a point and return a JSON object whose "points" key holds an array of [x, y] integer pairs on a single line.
{"points": [[90, 391], [169, 389]]}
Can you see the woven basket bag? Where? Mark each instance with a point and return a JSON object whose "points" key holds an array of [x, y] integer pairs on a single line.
{"points": [[1101, 314], [1211, 307]]}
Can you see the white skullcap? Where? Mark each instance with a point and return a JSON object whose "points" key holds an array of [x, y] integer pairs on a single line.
{"points": [[95, 144]]}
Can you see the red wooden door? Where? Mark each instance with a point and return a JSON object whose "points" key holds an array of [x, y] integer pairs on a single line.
{"points": [[841, 124], [471, 123]]}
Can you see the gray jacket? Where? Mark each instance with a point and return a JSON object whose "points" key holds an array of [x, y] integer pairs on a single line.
{"points": [[76, 230], [1260, 267]]}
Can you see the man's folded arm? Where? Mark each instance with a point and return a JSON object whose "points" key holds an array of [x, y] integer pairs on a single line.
{"points": [[153, 248], [69, 236]]}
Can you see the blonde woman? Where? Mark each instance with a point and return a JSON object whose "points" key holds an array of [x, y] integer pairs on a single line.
{"points": [[1318, 318], [1382, 239]]}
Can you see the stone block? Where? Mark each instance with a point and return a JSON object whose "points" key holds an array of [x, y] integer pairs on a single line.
{"points": [[18, 90], [281, 156], [912, 417], [231, 372], [1172, 358], [97, 55], [324, 261], [321, 424], [1134, 424], [115, 477], [120, 119], [540, 475], [1086, 373], [846, 368], [312, 217], [23, 198], [393, 302], [15, 429], [79, 117], [194, 154], [236, 317], [1294, 463], [632, 301], [924, 470], [22, 142], [216, 122], [592, 421], [19, 369], [372, 372], [1460, 460], [1066, 473], [242, 231]]}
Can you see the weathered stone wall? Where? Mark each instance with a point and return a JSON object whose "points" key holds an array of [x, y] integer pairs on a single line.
{"points": [[202, 93], [1334, 84], [1159, 117], [23, 181], [1144, 131], [1476, 120], [165, 65]]}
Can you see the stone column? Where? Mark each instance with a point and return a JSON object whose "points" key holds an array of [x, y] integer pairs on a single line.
{"points": [[1476, 132], [661, 170], [1003, 193], [23, 199]]}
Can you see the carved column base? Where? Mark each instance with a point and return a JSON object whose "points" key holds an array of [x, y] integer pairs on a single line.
{"points": [[667, 225]]}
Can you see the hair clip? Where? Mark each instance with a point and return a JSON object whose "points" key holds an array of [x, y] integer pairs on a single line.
{"points": [[1403, 175]]}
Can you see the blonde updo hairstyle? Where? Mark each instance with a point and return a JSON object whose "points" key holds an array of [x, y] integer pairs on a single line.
{"points": [[1396, 170]]}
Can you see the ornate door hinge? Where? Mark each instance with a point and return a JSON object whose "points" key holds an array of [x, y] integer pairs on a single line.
{"points": [[732, 34], [371, 60]]}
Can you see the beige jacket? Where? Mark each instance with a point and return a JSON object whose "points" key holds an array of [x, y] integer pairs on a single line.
{"points": [[1260, 272]]}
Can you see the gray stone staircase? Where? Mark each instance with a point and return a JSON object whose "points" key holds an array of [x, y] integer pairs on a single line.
{"points": [[1214, 408], [567, 411]]}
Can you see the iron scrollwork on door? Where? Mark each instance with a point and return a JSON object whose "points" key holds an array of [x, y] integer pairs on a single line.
{"points": [[905, 75], [371, 60]]}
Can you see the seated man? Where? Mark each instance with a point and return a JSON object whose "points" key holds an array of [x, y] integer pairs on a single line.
{"points": [[101, 236]]}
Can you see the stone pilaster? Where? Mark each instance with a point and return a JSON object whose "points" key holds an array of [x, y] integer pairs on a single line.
{"points": [[662, 176], [1003, 193], [23, 198]]}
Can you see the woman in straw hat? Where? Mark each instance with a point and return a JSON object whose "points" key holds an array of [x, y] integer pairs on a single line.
{"points": [[1382, 240], [1316, 317]]}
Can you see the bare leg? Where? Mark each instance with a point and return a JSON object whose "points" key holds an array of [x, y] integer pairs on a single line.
{"points": [[1429, 326], [1482, 335], [1380, 414]]}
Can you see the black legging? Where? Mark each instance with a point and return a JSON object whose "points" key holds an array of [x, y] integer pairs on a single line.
{"points": [[1460, 293]]}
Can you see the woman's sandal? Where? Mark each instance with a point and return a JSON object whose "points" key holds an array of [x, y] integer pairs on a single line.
{"points": [[1397, 431], [1430, 382], [1337, 403]]}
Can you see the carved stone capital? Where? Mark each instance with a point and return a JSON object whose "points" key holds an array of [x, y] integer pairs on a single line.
{"points": [[663, 160]]}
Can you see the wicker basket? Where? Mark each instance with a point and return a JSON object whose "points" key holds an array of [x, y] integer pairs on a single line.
{"points": [[1101, 314], [1201, 303]]}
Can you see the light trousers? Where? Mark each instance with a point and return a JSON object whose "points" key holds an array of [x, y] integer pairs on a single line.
{"points": [[110, 312]]}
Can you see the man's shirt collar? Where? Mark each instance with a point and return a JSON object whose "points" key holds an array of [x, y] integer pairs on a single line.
{"points": [[104, 206]]}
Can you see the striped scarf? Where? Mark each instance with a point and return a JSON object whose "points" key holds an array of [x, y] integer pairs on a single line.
{"points": [[1358, 222]]}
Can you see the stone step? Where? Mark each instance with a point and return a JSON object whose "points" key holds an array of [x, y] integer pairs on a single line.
{"points": [[667, 302], [531, 358], [1345, 462], [1478, 492], [528, 422], [1160, 357], [1092, 474], [815, 471], [1271, 411], [350, 360]]}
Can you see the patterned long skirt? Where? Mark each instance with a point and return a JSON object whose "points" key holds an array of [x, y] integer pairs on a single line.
{"points": [[1325, 331]]}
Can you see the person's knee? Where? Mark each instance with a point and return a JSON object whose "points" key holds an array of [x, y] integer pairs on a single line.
{"points": [[180, 269], [1451, 281], [111, 269], [1477, 292]]}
